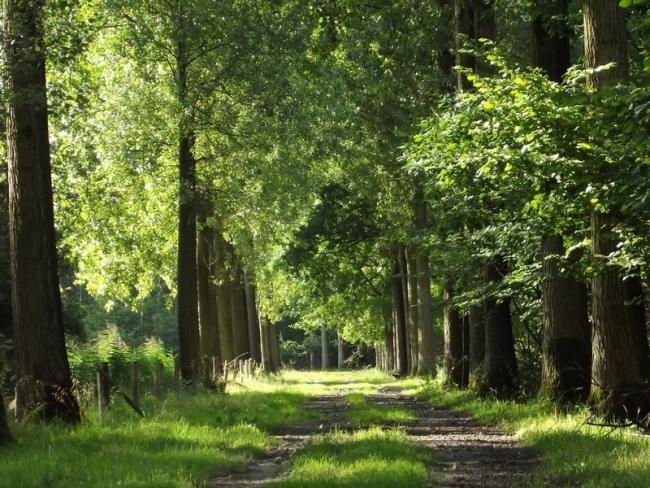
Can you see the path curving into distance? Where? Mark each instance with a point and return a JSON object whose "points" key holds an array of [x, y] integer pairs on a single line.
{"points": [[466, 453]]}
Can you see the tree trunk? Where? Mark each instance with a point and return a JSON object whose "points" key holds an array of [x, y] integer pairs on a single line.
{"points": [[566, 349], [274, 342], [500, 364], [224, 298], [265, 337], [42, 370], [399, 322], [340, 349], [634, 298], [389, 339], [207, 289], [552, 48], [476, 342], [239, 315], [454, 360], [464, 26], [403, 275], [5, 433], [426, 354], [187, 294], [253, 319], [413, 309], [619, 381], [324, 348]]}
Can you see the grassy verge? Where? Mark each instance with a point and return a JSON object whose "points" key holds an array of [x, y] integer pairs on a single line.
{"points": [[573, 454], [362, 413], [182, 441], [368, 458]]}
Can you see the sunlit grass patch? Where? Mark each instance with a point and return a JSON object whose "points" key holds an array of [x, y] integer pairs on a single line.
{"points": [[363, 413], [182, 441], [368, 458], [573, 453]]}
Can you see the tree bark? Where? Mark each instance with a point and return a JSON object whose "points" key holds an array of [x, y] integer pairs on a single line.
{"points": [[399, 322], [476, 342], [413, 309], [253, 319], [403, 275], [224, 298], [324, 345], [426, 353], [389, 339], [455, 359], [340, 349], [265, 336], [187, 294], [239, 314], [5, 433], [552, 48], [207, 289], [274, 342], [619, 382], [635, 313], [566, 349], [43, 378], [500, 364]]}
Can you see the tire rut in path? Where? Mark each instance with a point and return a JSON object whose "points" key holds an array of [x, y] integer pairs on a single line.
{"points": [[466, 454]]}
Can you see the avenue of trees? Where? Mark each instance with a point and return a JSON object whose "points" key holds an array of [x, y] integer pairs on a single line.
{"points": [[460, 187]]}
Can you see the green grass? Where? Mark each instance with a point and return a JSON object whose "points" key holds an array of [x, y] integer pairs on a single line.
{"points": [[362, 413], [573, 454], [369, 458], [182, 442]]}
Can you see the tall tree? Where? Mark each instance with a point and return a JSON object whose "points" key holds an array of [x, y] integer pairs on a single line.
{"points": [[426, 353], [399, 327], [5, 433], [500, 363], [455, 354], [207, 289], [43, 381], [566, 348], [413, 309], [619, 381]]}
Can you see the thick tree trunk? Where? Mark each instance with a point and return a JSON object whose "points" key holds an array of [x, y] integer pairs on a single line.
{"points": [[274, 342], [265, 337], [340, 350], [224, 298], [464, 26], [5, 433], [403, 274], [455, 359], [412, 282], [239, 314], [389, 336], [324, 348], [500, 364], [187, 295], [253, 319], [476, 342], [43, 379], [619, 381], [566, 346], [552, 47], [635, 314], [207, 289], [399, 323], [426, 353]]}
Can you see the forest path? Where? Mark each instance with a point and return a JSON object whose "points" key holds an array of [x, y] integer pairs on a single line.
{"points": [[465, 453]]}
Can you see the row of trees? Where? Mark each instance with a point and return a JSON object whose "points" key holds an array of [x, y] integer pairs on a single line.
{"points": [[327, 162]]}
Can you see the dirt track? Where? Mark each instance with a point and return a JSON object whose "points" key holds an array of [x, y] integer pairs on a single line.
{"points": [[466, 453]]}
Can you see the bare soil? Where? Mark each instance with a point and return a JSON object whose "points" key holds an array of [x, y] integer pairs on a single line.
{"points": [[466, 453]]}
